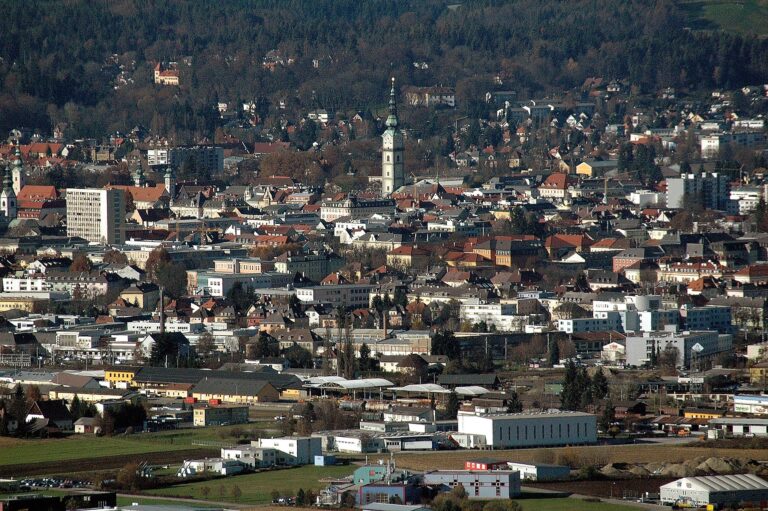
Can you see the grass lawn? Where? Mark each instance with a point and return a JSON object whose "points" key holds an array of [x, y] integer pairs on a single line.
{"points": [[256, 488], [566, 504], [143, 501], [742, 16], [82, 447], [78, 447]]}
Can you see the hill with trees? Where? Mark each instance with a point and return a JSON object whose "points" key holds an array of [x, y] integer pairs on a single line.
{"points": [[89, 65]]}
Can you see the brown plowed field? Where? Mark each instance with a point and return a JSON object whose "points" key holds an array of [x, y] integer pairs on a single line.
{"points": [[71, 467]]}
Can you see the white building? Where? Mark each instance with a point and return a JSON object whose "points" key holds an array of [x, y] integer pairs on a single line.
{"points": [[96, 215], [753, 405], [479, 484], [720, 491], [294, 450], [692, 347], [251, 456], [540, 471], [605, 321], [346, 295], [531, 429], [500, 315]]}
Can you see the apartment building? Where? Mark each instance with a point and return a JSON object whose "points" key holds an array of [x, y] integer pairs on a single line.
{"points": [[96, 215]]}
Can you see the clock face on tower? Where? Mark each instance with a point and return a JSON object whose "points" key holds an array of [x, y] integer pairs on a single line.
{"points": [[387, 138]]}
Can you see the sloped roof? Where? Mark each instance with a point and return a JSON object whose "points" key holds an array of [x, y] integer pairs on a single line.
{"points": [[723, 483]]}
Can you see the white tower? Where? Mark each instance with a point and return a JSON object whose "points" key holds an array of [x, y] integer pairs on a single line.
{"points": [[392, 145], [17, 172], [8, 197], [170, 182]]}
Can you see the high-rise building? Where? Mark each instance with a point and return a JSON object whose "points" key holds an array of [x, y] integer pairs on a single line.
{"points": [[96, 215], [392, 157], [711, 190]]}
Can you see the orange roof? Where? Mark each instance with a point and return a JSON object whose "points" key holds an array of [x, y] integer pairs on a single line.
{"points": [[141, 193], [408, 250], [38, 192], [557, 181], [754, 270]]}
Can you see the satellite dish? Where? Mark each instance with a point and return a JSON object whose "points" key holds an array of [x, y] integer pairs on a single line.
{"points": [[698, 348]]}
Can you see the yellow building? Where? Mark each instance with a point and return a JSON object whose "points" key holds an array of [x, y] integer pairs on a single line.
{"points": [[121, 376], [240, 391], [143, 296], [23, 304], [695, 413], [758, 374], [596, 168]]}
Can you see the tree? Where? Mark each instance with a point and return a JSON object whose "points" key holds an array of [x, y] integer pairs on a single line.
{"points": [[514, 405], [206, 344], [128, 477], [300, 497], [607, 417], [599, 384], [365, 361], [298, 356], [33, 393], [452, 405], [668, 358], [172, 277], [19, 411], [114, 257], [236, 492], [553, 353], [80, 263], [445, 343], [156, 258]]}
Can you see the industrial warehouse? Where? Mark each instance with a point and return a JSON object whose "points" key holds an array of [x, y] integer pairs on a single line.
{"points": [[718, 491], [526, 429]]}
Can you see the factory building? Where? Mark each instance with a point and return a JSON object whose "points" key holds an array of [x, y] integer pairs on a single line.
{"points": [[719, 491], [479, 484], [501, 431]]}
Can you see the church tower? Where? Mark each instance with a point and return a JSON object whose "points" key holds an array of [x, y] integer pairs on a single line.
{"points": [[392, 157], [8, 197], [17, 172], [170, 182], [138, 177]]}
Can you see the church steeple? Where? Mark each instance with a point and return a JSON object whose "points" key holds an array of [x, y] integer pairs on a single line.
{"points": [[392, 146], [17, 172], [7, 196], [392, 119]]}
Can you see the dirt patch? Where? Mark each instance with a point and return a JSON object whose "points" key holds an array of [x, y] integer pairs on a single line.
{"points": [[630, 488], [102, 463]]}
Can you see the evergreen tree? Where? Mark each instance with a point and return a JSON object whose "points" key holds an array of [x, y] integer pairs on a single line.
{"points": [[570, 396], [599, 385], [553, 353], [452, 405], [607, 417], [19, 411], [365, 358], [514, 405]]}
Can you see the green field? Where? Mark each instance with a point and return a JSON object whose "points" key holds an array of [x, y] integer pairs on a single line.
{"points": [[256, 488], [565, 504], [143, 501], [78, 447], [741, 16]]}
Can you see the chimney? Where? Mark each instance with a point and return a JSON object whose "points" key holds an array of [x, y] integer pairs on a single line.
{"points": [[162, 310]]}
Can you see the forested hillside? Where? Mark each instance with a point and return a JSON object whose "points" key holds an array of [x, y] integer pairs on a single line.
{"points": [[61, 60]]}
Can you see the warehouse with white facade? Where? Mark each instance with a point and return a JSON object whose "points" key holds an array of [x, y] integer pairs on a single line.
{"points": [[720, 491], [479, 484], [530, 429]]}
